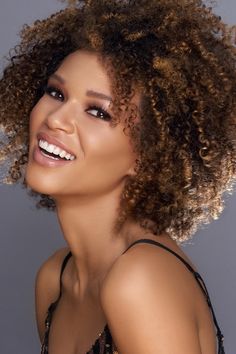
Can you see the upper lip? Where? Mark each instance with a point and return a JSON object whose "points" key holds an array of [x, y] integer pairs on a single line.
{"points": [[52, 140]]}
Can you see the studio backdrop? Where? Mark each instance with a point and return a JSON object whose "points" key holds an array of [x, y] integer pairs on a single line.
{"points": [[28, 236]]}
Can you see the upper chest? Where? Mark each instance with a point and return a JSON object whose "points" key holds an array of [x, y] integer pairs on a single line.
{"points": [[79, 329]]}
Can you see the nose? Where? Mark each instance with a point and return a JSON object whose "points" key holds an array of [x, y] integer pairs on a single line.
{"points": [[63, 118]]}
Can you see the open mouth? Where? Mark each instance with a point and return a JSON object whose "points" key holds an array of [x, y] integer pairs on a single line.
{"points": [[54, 152]]}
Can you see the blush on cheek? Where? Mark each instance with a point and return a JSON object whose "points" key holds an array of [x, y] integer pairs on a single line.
{"points": [[33, 114], [36, 116]]}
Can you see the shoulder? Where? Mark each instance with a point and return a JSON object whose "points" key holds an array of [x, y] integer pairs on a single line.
{"points": [[149, 293], [49, 273], [47, 285], [149, 266]]}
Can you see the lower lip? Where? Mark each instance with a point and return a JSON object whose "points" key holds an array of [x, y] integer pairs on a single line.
{"points": [[47, 161]]}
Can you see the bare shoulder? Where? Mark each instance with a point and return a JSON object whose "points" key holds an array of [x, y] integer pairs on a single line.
{"points": [[145, 265], [47, 286], [49, 273], [154, 294]]}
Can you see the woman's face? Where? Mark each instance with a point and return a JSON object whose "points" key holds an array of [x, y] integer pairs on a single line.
{"points": [[72, 119]]}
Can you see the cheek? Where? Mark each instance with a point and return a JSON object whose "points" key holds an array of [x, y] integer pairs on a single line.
{"points": [[36, 117], [33, 116], [113, 151]]}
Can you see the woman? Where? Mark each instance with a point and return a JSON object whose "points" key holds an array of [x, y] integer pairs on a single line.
{"points": [[131, 139]]}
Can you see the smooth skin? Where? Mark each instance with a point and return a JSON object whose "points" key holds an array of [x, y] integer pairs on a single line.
{"points": [[151, 302]]}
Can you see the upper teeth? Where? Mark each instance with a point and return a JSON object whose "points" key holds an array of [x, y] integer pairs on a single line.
{"points": [[55, 150]]}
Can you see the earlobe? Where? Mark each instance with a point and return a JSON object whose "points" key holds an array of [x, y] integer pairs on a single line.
{"points": [[131, 172]]}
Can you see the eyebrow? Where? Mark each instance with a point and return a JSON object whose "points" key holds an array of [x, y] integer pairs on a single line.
{"points": [[58, 78], [90, 93]]}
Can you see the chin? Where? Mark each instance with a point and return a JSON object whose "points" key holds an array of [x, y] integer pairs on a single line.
{"points": [[38, 182]]}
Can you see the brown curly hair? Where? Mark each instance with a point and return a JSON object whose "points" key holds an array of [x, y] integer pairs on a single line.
{"points": [[182, 58]]}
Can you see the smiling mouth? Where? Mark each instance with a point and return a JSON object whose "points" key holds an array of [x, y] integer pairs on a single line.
{"points": [[54, 152]]}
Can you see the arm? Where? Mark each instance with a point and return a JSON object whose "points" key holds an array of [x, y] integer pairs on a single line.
{"points": [[47, 287], [149, 302]]}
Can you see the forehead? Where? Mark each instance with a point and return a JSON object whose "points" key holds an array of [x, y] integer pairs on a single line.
{"points": [[85, 68]]}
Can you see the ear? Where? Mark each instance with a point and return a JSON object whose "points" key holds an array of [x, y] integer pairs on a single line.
{"points": [[131, 170]]}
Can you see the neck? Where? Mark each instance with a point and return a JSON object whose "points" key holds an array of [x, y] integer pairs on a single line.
{"points": [[88, 228]]}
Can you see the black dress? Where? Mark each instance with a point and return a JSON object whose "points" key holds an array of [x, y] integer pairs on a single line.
{"points": [[104, 343]]}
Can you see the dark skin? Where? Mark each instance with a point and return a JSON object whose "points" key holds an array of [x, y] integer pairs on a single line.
{"points": [[175, 315]]}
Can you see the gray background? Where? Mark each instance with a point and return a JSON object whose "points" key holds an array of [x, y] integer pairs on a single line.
{"points": [[29, 236]]}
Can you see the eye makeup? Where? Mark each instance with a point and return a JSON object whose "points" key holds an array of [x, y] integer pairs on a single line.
{"points": [[98, 110]]}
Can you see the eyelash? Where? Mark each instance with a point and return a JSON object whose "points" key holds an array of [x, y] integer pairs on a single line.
{"points": [[105, 115], [49, 89]]}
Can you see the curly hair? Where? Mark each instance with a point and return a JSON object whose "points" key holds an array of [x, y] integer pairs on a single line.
{"points": [[182, 58]]}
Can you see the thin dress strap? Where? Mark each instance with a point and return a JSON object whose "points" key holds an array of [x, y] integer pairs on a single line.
{"points": [[52, 307], [199, 280], [67, 257]]}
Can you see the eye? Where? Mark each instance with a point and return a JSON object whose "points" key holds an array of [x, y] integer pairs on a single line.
{"points": [[98, 112], [53, 92]]}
